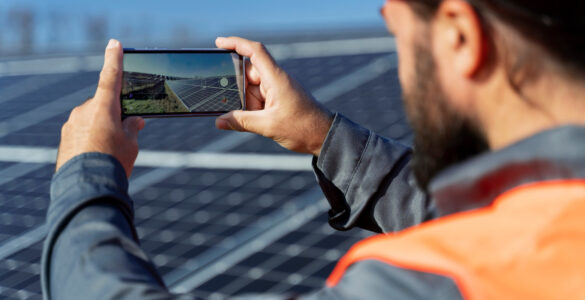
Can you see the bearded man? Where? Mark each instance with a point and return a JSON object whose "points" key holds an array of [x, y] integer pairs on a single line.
{"points": [[495, 93]]}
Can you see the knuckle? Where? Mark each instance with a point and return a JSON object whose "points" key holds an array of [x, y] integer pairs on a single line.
{"points": [[109, 70], [258, 46], [103, 84], [65, 128], [75, 111], [72, 116]]}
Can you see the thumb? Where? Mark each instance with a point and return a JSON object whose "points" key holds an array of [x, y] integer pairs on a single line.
{"points": [[132, 126], [110, 82], [239, 120]]}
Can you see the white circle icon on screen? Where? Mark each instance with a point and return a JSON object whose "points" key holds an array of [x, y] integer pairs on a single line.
{"points": [[223, 82]]}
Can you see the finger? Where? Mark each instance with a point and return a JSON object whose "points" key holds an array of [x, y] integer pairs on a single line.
{"points": [[132, 126], [252, 75], [257, 53], [110, 83], [239, 120], [254, 101]]}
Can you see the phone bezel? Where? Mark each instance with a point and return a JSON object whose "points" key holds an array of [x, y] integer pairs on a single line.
{"points": [[187, 50]]}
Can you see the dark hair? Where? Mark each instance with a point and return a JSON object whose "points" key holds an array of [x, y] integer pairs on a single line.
{"points": [[558, 27]]}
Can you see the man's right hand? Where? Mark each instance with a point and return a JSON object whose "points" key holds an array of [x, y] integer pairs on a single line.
{"points": [[277, 106]]}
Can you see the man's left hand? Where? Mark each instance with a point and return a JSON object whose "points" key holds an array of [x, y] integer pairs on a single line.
{"points": [[96, 125]]}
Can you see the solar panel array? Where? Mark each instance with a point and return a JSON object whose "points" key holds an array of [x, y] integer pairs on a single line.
{"points": [[212, 231], [207, 95]]}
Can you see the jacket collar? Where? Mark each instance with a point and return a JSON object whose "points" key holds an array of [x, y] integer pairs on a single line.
{"points": [[557, 153]]}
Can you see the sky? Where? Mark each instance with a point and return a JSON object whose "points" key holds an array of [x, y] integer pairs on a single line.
{"points": [[180, 64], [144, 23]]}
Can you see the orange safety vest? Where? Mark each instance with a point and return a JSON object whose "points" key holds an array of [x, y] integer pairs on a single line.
{"points": [[529, 244]]}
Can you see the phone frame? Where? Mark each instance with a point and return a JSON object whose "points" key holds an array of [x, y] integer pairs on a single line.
{"points": [[187, 50]]}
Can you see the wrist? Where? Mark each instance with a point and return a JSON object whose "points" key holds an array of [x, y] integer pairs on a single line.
{"points": [[322, 130]]}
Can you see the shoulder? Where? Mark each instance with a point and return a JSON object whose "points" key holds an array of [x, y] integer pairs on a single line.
{"points": [[374, 279]]}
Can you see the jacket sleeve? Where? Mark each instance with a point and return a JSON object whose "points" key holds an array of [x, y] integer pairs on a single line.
{"points": [[91, 250], [368, 181]]}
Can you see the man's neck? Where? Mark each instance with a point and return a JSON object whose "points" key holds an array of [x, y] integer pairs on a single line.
{"points": [[548, 102]]}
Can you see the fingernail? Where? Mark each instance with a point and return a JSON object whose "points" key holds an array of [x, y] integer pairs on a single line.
{"points": [[112, 44], [219, 38]]}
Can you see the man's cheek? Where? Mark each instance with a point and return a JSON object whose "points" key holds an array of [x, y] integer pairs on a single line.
{"points": [[402, 76], [406, 70], [407, 77]]}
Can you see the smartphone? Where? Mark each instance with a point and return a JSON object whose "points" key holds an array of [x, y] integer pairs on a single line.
{"points": [[184, 82]]}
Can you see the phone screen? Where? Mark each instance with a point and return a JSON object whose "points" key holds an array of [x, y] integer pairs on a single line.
{"points": [[162, 83]]}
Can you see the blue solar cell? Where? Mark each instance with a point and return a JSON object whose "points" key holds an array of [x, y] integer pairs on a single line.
{"points": [[260, 285], [292, 264], [217, 283]]}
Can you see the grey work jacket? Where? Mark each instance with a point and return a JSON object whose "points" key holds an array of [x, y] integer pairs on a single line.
{"points": [[92, 249]]}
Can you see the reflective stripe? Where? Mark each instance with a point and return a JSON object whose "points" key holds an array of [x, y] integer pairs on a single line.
{"points": [[528, 244]]}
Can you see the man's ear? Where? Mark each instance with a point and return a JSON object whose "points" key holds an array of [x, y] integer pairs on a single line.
{"points": [[459, 38]]}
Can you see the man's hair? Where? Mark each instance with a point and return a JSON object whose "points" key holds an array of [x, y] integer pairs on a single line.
{"points": [[557, 27]]}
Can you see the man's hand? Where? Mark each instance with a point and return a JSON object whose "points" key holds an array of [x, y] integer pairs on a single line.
{"points": [[278, 108], [96, 125]]}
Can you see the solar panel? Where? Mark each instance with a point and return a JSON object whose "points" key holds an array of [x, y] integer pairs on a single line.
{"points": [[194, 215], [316, 72], [20, 273], [23, 201], [217, 205], [207, 94], [296, 263]]}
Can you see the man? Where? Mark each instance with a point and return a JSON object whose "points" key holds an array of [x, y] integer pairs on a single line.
{"points": [[495, 91]]}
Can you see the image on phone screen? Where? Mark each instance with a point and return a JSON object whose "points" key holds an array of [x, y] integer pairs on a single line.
{"points": [[182, 82]]}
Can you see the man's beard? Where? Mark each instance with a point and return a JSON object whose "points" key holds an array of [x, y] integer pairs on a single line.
{"points": [[443, 136]]}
